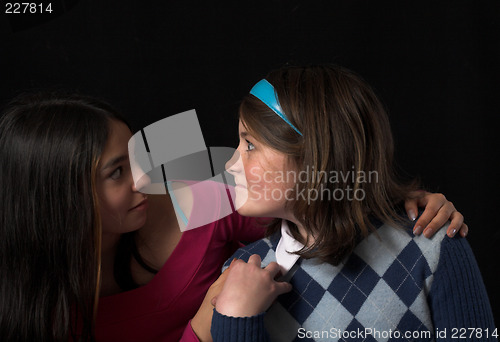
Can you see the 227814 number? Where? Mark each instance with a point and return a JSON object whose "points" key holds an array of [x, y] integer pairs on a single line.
{"points": [[469, 333], [27, 8]]}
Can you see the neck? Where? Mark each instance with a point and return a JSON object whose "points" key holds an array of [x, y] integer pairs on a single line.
{"points": [[109, 244], [302, 231], [108, 252]]}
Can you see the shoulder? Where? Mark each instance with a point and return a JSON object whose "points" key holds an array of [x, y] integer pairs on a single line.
{"points": [[391, 244], [456, 258], [406, 263], [458, 297]]}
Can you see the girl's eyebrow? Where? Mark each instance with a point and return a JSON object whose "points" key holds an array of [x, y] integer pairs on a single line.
{"points": [[244, 134], [114, 161]]}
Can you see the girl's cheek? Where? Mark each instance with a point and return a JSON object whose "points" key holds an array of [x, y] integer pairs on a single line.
{"points": [[253, 175]]}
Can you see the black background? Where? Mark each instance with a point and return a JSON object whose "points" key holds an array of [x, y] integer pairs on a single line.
{"points": [[435, 65]]}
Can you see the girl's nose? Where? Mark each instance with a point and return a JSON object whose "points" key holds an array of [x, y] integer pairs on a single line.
{"points": [[141, 182], [235, 164]]}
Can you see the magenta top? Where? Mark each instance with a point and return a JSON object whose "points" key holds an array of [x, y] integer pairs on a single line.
{"points": [[162, 309]]}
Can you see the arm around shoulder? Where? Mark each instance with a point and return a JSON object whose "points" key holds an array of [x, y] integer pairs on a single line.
{"points": [[458, 298]]}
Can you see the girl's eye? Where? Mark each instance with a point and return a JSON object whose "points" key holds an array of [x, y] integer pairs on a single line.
{"points": [[250, 146], [116, 174]]}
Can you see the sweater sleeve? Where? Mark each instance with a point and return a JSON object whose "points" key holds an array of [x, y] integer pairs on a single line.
{"points": [[238, 329], [458, 298]]}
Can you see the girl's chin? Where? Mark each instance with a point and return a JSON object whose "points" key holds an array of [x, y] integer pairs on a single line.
{"points": [[244, 210], [253, 210]]}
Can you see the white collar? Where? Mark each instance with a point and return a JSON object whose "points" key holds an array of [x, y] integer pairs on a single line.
{"points": [[285, 249]]}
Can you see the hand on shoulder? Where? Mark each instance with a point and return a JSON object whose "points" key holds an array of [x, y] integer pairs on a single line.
{"points": [[250, 289]]}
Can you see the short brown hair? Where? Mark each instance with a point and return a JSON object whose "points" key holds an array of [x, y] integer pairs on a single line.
{"points": [[346, 132]]}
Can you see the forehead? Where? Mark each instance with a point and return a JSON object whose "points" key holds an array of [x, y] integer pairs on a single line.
{"points": [[243, 131], [117, 143], [241, 127]]}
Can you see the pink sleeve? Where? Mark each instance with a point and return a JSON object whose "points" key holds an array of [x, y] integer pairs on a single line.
{"points": [[188, 335]]}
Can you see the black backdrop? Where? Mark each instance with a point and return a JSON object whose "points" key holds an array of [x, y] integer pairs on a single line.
{"points": [[435, 64]]}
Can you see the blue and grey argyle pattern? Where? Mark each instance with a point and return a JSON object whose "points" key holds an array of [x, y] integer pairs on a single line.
{"points": [[379, 293]]}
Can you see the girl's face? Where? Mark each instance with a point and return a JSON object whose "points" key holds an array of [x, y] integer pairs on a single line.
{"points": [[260, 174], [122, 207]]}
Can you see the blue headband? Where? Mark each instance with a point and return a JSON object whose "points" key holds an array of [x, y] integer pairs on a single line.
{"points": [[264, 91]]}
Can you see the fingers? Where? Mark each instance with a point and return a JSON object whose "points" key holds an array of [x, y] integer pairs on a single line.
{"points": [[437, 222], [464, 230], [457, 220], [411, 204], [255, 260], [280, 286], [457, 225], [230, 265], [283, 287], [411, 208], [273, 268], [225, 273], [249, 289], [438, 210], [435, 214]]}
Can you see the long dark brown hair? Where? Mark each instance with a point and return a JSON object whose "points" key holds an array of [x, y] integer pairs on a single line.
{"points": [[346, 134], [50, 227]]}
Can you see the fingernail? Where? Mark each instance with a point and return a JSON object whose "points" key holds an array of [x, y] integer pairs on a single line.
{"points": [[453, 232], [465, 234], [427, 232], [413, 217], [417, 230]]}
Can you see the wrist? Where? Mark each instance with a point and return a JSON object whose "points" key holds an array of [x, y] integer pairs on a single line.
{"points": [[200, 325], [237, 308]]}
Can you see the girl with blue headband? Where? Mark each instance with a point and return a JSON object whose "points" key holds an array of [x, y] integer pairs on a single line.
{"points": [[316, 153]]}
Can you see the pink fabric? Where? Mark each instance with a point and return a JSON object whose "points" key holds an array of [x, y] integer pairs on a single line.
{"points": [[162, 309]]}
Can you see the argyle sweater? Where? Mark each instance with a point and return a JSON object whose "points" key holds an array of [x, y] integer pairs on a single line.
{"points": [[396, 288]]}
